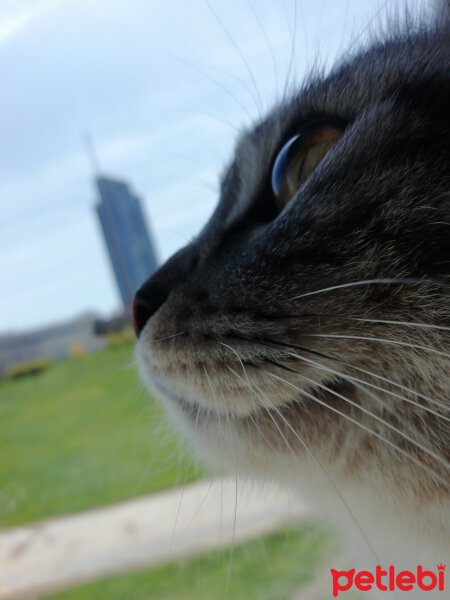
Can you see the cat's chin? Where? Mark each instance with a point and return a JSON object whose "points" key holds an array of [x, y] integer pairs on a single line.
{"points": [[258, 443], [188, 414], [219, 437], [203, 377]]}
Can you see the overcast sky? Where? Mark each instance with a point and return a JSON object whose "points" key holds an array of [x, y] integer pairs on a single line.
{"points": [[163, 89]]}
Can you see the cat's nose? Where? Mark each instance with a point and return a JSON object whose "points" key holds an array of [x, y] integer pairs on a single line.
{"points": [[155, 291], [149, 297]]}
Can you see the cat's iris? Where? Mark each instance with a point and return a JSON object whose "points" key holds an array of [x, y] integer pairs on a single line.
{"points": [[299, 157]]}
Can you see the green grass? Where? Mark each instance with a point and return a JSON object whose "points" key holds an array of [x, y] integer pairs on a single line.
{"points": [[82, 434], [270, 568]]}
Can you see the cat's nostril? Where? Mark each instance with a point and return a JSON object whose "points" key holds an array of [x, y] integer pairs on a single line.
{"points": [[154, 292], [146, 302], [141, 315]]}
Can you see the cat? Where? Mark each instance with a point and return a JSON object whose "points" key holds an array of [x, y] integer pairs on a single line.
{"points": [[303, 335]]}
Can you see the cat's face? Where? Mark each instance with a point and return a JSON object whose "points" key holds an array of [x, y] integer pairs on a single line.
{"points": [[308, 321]]}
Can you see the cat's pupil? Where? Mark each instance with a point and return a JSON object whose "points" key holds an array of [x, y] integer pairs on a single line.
{"points": [[298, 158]]}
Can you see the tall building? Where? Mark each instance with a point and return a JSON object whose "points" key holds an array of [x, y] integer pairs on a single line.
{"points": [[130, 246]]}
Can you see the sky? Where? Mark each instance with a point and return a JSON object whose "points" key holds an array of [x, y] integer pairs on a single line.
{"points": [[163, 87]]}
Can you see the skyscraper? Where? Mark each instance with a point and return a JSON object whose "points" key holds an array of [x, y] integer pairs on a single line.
{"points": [[130, 246]]}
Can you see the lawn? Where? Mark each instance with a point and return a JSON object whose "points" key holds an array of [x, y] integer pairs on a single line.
{"points": [[82, 434]]}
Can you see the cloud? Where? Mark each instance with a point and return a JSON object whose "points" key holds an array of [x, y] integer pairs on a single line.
{"points": [[15, 23]]}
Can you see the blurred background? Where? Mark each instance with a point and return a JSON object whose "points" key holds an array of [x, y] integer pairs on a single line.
{"points": [[116, 120]]}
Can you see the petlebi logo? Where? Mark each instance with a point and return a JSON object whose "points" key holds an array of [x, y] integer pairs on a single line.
{"points": [[389, 579]]}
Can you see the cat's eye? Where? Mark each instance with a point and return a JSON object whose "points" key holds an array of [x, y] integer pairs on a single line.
{"points": [[299, 157]]}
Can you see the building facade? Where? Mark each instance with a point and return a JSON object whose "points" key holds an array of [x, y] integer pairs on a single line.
{"points": [[130, 246]]}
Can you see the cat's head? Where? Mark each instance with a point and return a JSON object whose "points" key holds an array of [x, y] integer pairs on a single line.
{"points": [[309, 321]]}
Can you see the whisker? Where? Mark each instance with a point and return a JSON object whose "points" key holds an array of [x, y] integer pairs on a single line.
{"points": [[352, 379], [392, 280], [233, 536], [266, 38], [438, 458], [258, 100], [168, 337], [242, 83], [284, 347], [253, 392], [322, 470], [382, 340], [361, 425], [216, 82], [259, 430], [361, 319], [215, 117], [355, 38], [312, 455], [217, 405], [177, 516], [361, 370], [239, 359], [293, 35], [200, 506]]}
